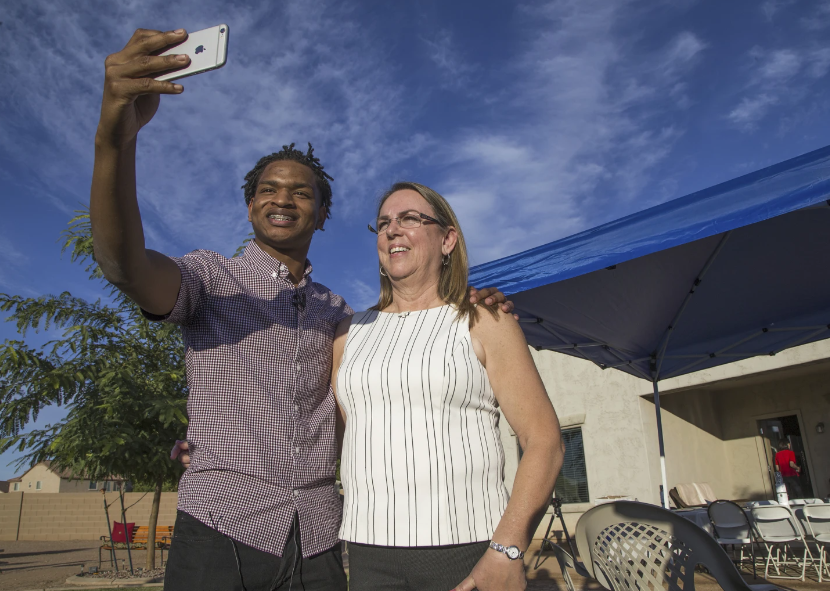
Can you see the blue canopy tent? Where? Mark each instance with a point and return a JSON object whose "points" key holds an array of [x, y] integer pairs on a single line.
{"points": [[734, 271]]}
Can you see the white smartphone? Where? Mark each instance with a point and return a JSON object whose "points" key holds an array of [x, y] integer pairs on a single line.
{"points": [[208, 50]]}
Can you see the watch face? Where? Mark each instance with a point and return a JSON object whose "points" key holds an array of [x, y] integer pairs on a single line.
{"points": [[512, 552]]}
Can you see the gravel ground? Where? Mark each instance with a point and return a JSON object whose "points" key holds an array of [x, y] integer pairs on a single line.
{"points": [[41, 565], [44, 565]]}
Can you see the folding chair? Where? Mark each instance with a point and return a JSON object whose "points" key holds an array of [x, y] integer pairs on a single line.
{"points": [[627, 545], [761, 503], [777, 528], [818, 524], [732, 528]]}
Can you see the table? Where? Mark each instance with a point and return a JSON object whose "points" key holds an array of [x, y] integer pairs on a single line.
{"points": [[699, 516]]}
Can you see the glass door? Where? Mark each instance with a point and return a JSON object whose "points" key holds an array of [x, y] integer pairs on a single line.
{"points": [[775, 433]]}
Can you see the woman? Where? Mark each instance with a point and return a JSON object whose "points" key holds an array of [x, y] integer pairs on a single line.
{"points": [[419, 379]]}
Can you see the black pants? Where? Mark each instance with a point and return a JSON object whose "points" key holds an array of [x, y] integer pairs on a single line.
{"points": [[793, 484], [429, 568], [202, 559]]}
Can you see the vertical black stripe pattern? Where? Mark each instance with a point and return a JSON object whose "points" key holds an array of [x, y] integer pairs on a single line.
{"points": [[422, 460]]}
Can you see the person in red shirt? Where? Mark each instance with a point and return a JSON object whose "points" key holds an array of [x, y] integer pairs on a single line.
{"points": [[790, 471]]}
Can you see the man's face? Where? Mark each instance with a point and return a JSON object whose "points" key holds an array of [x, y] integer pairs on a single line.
{"points": [[287, 206]]}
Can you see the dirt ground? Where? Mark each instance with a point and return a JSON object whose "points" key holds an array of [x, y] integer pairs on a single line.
{"points": [[548, 577], [43, 565], [46, 565]]}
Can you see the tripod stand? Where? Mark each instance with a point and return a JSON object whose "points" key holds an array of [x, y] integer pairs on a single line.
{"points": [[557, 512]]}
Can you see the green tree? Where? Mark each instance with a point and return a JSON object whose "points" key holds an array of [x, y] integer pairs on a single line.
{"points": [[121, 378]]}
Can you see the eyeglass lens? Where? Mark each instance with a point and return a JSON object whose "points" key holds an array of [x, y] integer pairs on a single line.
{"points": [[406, 219]]}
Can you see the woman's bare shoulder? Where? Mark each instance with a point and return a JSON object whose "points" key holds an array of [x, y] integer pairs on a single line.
{"points": [[492, 321]]}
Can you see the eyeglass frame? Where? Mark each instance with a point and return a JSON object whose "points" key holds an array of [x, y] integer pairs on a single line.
{"points": [[423, 217]]}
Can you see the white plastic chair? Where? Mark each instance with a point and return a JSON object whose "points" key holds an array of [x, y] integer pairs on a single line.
{"points": [[732, 528], [818, 524], [627, 545], [795, 502], [761, 503], [778, 529]]}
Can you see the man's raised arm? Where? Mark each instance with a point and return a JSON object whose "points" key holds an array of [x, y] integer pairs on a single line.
{"points": [[131, 98]]}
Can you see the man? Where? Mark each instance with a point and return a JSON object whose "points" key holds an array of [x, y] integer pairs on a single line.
{"points": [[790, 471], [257, 507]]}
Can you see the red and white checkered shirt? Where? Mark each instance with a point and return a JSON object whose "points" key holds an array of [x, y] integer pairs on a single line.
{"points": [[261, 433]]}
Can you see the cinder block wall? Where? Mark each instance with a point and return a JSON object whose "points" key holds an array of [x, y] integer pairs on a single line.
{"points": [[9, 512], [75, 516]]}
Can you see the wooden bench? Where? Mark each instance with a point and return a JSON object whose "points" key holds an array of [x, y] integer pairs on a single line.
{"points": [[164, 535]]}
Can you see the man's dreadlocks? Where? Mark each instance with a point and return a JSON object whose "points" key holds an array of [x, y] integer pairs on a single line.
{"points": [[289, 153]]}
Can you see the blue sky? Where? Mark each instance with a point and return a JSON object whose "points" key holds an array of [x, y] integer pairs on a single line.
{"points": [[536, 119]]}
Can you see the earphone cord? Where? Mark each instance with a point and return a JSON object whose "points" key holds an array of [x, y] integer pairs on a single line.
{"points": [[235, 552], [296, 554]]}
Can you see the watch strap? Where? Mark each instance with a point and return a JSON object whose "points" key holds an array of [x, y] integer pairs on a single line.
{"points": [[506, 550]]}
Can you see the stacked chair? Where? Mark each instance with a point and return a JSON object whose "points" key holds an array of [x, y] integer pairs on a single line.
{"points": [[818, 528], [626, 545], [779, 531]]}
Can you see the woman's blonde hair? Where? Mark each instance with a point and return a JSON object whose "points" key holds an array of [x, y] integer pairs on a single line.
{"points": [[452, 286]]}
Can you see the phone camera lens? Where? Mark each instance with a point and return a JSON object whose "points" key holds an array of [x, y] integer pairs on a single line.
{"points": [[222, 30]]}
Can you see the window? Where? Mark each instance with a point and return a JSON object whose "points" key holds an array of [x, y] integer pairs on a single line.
{"points": [[108, 486], [16, 486], [572, 484], [93, 485], [30, 484], [38, 485]]}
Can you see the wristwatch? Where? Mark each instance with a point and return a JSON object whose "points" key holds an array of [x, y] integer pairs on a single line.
{"points": [[512, 552]]}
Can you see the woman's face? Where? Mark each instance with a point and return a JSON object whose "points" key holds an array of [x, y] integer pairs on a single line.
{"points": [[412, 252]]}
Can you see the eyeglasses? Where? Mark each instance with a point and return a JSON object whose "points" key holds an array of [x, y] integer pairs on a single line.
{"points": [[405, 219]]}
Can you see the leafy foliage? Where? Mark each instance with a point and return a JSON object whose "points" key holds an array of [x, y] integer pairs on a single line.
{"points": [[241, 248], [121, 377]]}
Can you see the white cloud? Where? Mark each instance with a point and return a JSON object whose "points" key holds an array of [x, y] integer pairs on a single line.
{"points": [[363, 296], [13, 264], [454, 71], [818, 62], [820, 18], [288, 85], [751, 110], [679, 54], [587, 138], [776, 66], [779, 77], [771, 7]]}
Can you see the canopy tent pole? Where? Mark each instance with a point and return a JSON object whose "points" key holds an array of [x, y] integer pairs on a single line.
{"points": [[664, 493]]}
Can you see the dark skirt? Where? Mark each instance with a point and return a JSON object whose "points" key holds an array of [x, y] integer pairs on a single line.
{"points": [[425, 568]]}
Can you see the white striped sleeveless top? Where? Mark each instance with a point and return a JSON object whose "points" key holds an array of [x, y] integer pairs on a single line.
{"points": [[422, 461]]}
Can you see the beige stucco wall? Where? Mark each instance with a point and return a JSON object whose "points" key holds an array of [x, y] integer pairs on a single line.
{"points": [[607, 405], [50, 482], [693, 436], [708, 421], [738, 403], [74, 486]]}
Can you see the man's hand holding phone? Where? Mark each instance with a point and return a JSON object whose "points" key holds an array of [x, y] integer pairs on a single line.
{"points": [[131, 94]]}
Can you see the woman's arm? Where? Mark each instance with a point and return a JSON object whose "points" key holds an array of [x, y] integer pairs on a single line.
{"points": [[340, 335], [502, 349]]}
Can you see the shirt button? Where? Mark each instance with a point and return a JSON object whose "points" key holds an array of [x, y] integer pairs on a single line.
{"points": [[296, 408], [274, 274], [296, 493], [297, 449]]}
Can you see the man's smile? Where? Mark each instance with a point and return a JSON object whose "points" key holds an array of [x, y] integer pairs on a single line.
{"points": [[278, 219]]}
